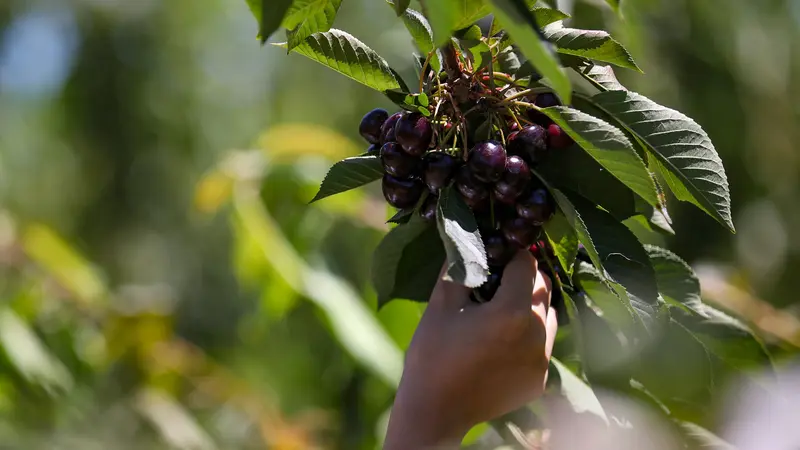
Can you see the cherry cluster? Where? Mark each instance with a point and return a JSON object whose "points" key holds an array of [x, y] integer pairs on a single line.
{"points": [[493, 177]]}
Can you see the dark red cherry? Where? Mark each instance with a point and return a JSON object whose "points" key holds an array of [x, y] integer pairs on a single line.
{"points": [[487, 160], [414, 132], [397, 162], [537, 207], [557, 138], [374, 149], [486, 291], [518, 232], [371, 123], [428, 209], [387, 130], [401, 193], [473, 190], [498, 252], [439, 169], [530, 143]]}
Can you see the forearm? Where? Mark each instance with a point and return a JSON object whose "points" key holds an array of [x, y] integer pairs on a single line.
{"points": [[416, 424]]}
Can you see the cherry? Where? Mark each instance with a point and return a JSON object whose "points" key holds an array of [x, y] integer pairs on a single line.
{"points": [[557, 138], [536, 207], [486, 291], [414, 132], [546, 100], [401, 193], [397, 162], [515, 178], [370, 127], [498, 253], [387, 130], [374, 149], [428, 209], [530, 143], [439, 168], [519, 232], [488, 161], [472, 189]]}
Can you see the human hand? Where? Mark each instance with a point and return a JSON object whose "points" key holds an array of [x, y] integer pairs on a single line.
{"points": [[469, 363]]}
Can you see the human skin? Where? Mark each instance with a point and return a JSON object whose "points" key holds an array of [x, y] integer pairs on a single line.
{"points": [[469, 363]]}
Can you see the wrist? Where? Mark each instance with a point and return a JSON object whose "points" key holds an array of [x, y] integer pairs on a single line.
{"points": [[417, 421]]}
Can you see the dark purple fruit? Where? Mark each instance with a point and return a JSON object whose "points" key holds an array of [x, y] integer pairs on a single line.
{"points": [[557, 138], [473, 190], [401, 193], [486, 291], [387, 130], [536, 207], [498, 252], [530, 143], [487, 160], [374, 149], [439, 168], [519, 232], [414, 132], [371, 123], [515, 178], [546, 100], [428, 209], [398, 163]]}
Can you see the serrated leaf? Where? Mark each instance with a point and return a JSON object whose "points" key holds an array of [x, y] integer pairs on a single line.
{"points": [[407, 262], [350, 57], [446, 16], [401, 6], [401, 216], [307, 17], [680, 148], [563, 240], [269, 14], [546, 16], [603, 78], [522, 27], [466, 255], [677, 281], [592, 44], [608, 146], [617, 309], [349, 173], [421, 31], [579, 394], [574, 169]]}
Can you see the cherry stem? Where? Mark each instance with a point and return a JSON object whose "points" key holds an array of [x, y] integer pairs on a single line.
{"points": [[424, 68]]}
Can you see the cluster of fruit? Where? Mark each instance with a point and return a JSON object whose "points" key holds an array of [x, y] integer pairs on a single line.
{"points": [[494, 177]]}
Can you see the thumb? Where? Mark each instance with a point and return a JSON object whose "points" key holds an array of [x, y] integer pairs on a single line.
{"points": [[516, 286], [448, 295]]}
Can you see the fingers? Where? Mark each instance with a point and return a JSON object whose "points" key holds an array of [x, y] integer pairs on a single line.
{"points": [[551, 325], [540, 301], [517, 283], [447, 295]]}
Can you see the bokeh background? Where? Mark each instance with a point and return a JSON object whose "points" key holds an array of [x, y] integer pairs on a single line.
{"points": [[163, 281]]}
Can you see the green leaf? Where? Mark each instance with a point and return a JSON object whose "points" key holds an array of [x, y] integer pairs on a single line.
{"points": [[447, 16], [523, 28], [401, 6], [466, 255], [306, 17], [593, 44], [563, 240], [616, 309], [700, 437], [407, 262], [603, 78], [546, 16], [614, 4], [679, 147], [269, 14], [350, 57], [574, 169], [401, 216], [676, 280], [421, 31], [609, 147], [579, 394], [350, 173]]}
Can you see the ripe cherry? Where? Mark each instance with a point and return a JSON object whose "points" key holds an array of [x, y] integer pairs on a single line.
{"points": [[398, 163], [546, 100], [487, 160], [536, 207], [530, 143], [515, 178], [428, 209], [401, 193], [474, 192], [557, 138], [371, 123], [374, 149], [519, 232], [498, 252], [387, 130], [414, 132], [439, 168]]}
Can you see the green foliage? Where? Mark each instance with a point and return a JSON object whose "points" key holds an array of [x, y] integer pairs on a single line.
{"points": [[466, 257], [591, 44], [349, 174]]}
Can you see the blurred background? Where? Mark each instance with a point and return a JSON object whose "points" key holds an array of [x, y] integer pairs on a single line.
{"points": [[163, 281]]}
